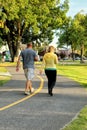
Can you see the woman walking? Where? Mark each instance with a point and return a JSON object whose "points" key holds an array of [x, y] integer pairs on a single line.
{"points": [[50, 60]]}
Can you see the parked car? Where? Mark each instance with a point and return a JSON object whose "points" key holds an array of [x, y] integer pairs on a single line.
{"points": [[77, 58], [65, 58], [7, 56]]}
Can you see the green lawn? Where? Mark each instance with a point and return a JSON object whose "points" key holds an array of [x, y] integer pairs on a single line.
{"points": [[79, 74], [80, 123], [3, 69], [4, 64], [4, 79], [76, 72]]}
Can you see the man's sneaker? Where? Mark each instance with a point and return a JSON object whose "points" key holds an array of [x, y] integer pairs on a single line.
{"points": [[32, 90], [27, 93]]}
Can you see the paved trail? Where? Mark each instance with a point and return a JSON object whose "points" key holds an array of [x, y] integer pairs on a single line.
{"points": [[39, 112]]}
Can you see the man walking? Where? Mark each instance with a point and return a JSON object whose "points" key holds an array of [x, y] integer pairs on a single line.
{"points": [[28, 57]]}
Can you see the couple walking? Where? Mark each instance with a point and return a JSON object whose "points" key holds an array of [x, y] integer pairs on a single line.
{"points": [[50, 60]]}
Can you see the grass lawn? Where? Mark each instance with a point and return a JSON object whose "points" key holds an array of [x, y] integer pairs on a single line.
{"points": [[2, 69], [4, 64], [79, 74], [76, 72], [80, 123], [4, 79]]}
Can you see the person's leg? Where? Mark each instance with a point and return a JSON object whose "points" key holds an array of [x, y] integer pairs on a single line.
{"points": [[30, 77], [27, 81], [51, 76], [28, 85], [48, 78], [48, 74]]}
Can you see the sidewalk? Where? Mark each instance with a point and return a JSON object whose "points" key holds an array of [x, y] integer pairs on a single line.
{"points": [[5, 74], [40, 112]]}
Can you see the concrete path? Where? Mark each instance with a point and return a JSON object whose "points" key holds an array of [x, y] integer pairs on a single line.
{"points": [[5, 74], [39, 112]]}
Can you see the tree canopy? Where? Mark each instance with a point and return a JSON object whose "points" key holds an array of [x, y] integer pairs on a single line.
{"points": [[30, 20]]}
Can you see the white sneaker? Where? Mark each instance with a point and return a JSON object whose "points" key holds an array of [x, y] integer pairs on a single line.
{"points": [[32, 90], [27, 93]]}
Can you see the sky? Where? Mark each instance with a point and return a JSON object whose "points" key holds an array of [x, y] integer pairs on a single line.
{"points": [[75, 6]]}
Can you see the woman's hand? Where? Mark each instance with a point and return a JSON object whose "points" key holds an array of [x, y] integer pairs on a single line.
{"points": [[40, 72]]}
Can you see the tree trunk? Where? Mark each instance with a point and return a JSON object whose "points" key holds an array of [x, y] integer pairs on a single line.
{"points": [[73, 54], [13, 48], [14, 43], [82, 49]]}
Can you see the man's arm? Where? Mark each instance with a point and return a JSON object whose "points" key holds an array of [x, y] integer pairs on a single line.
{"points": [[18, 64], [36, 58]]}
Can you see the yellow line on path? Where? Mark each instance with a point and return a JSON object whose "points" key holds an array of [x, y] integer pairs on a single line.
{"points": [[27, 97]]}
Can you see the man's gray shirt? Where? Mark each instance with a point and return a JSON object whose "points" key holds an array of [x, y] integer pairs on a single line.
{"points": [[28, 56]]}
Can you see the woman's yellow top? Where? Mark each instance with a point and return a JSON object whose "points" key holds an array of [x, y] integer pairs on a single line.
{"points": [[50, 60]]}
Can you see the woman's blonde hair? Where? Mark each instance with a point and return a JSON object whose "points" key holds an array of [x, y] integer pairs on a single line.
{"points": [[51, 48]]}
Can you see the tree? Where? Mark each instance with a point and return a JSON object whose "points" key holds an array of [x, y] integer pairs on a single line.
{"points": [[81, 30], [85, 26], [74, 34], [67, 35], [31, 20]]}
